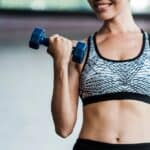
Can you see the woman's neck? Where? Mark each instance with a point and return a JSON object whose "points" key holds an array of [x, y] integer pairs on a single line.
{"points": [[122, 23]]}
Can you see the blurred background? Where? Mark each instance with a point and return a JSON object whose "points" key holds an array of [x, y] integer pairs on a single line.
{"points": [[26, 75]]}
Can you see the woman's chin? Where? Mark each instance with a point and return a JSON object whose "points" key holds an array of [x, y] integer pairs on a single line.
{"points": [[104, 17]]}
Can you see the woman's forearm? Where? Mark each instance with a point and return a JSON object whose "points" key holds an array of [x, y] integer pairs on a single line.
{"points": [[62, 110]]}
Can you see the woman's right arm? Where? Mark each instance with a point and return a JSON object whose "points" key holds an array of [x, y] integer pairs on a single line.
{"points": [[65, 98], [66, 86]]}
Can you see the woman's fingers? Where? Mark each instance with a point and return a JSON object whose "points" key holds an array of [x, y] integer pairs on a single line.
{"points": [[60, 47]]}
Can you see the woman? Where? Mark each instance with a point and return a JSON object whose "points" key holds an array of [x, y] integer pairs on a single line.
{"points": [[113, 82]]}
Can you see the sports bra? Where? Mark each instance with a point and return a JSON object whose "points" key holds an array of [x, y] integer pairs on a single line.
{"points": [[105, 79]]}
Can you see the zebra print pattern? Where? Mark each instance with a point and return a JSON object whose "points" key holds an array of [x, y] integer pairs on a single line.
{"points": [[101, 77]]}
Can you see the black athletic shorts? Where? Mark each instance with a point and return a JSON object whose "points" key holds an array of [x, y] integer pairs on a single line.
{"points": [[88, 144]]}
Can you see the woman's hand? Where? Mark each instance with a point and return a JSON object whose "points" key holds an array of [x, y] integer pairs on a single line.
{"points": [[60, 48]]}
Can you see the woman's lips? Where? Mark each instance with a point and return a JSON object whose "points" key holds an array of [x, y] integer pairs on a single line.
{"points": [[102, 6]]}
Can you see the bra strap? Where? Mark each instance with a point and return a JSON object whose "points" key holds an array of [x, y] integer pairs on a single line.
{"points": [[149, 38]]}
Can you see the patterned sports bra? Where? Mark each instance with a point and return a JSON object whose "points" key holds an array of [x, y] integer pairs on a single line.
{"points": [[105, 79]]}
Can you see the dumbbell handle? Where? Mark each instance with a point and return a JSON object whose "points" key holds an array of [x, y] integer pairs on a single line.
{"points": [[44, 41]]}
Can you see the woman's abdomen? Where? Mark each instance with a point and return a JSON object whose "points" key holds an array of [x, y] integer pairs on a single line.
{"points": [[115, 121]]}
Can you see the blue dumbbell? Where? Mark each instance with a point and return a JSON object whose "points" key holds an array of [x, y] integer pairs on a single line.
{"points": [[39, 37]]}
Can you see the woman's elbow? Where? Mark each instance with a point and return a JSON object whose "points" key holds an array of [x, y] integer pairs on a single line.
{"points": [[63, 133]]}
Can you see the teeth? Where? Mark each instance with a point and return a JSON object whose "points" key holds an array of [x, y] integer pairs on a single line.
{"points": [[103, 3]]}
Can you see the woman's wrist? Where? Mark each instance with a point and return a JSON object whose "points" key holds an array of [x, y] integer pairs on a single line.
{"points": [[61, 64]]}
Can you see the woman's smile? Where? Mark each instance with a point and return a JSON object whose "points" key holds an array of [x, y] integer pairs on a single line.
{"points": [[102, 6]]}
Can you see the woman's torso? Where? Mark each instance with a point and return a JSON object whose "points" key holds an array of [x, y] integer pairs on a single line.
{"points": [[116, 121]]}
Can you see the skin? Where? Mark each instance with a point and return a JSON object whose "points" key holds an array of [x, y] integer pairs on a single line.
{"points": [[114, 121]]}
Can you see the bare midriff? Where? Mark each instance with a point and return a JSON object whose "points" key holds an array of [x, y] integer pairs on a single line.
{"points": [[117, 121]]}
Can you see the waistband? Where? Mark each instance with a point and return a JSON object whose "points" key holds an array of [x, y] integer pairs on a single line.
{"points": [[99, 145]]}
